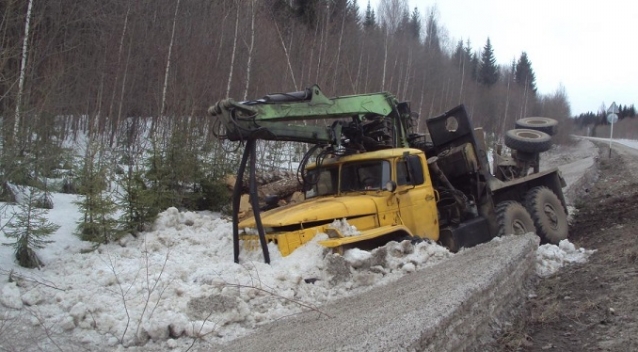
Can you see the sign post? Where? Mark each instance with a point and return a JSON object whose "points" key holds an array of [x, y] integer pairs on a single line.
{"points": [[612, 118]]}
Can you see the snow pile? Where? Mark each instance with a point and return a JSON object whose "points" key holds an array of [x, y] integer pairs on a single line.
{"points": [[550, 258], [179, 280], [343, 227]]}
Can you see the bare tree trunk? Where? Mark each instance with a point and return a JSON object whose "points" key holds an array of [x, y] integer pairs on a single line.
{"points": [[23, 69], [128, 59], [422, 96], [117, 68], [221, 40], [312, 51], [283, 45], [524, 107], [385, 59], [507, 104], [251, 47], [356, 81], [168, 60], [324, 30], [408, 68], [463, 79], [232, 55], [334, 76]]}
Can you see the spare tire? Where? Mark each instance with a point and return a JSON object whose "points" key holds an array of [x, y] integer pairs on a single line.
{"points": [[543, 124], [528, 141]]}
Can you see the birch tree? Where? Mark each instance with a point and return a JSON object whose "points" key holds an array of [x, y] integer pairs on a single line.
{"points": [[168, 62], [232, 56], [23, 68], [390, 12], [251, 47]]}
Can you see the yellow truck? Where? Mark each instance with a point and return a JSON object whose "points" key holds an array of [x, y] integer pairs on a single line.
{"points": [[370, 170]]}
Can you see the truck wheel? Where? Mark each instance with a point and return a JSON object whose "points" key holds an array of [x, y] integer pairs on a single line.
{"points": [[529, 141], [446, 239], [548, 214], [543, 124], [513, 218]]}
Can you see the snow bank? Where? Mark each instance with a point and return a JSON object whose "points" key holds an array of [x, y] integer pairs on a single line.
{"points": [[550, 258], [179, 280]]}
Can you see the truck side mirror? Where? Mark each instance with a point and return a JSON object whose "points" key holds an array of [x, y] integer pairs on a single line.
{"points": [[390, 186]]}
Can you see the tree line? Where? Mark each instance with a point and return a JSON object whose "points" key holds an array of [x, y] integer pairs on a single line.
{"points": [[134, 80]]}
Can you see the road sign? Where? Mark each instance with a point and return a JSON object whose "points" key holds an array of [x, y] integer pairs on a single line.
{"points": [[612, 118], [613, 109]]}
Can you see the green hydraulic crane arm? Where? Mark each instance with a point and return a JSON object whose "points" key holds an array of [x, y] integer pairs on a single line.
{"points": [[277, 116]]}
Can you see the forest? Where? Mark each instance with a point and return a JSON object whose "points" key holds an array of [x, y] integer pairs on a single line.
{"points": [[130, 83]]}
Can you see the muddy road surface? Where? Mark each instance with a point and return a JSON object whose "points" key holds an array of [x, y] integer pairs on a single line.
{"points": [[591, 306]]}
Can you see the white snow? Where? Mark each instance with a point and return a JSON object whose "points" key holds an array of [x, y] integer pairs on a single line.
{"points": [[179, 280], [344, 228], [550, 258]]}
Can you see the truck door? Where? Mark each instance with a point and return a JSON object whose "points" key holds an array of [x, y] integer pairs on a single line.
{"points": [[415, 195]]}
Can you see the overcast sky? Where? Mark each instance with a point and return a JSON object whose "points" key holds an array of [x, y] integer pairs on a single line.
{"points": [[590, 47]]}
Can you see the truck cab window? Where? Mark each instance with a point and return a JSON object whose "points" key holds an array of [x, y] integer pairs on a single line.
{"points": [[326, 183], [361, 176]]}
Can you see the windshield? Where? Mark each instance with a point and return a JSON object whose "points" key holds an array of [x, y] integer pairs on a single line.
{"points": [[326, 183], [355, 176]]}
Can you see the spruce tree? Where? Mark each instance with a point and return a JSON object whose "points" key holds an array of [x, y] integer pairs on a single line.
{"points": [[432, 37], [488, 73], [524, 74], [137, 201], [97, 205], [370, 20], [29, 229], [415, 24], [306, 11]]}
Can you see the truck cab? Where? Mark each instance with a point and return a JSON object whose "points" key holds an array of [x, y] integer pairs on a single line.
{"points": [[386, 195]]}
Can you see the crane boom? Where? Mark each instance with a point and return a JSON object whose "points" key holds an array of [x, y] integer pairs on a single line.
{"points": [[363, 122]]}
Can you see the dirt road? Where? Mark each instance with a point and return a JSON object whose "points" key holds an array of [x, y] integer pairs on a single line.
{"points": [[591, 306]]}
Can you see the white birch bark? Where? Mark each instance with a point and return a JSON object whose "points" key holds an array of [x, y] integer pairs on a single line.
{"points": [[385, 59], [168, 60], [334, 76], [232, 55], [250, 48], [283, 45], [23, 68], [117, 70], [119, 59]]}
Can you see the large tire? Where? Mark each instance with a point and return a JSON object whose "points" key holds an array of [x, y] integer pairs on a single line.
{"points": [[548, 214], [543, 124], [513, 218], [528, 141]]}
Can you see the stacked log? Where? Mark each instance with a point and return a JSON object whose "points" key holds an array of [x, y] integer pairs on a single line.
{"points": [[282, 184]]}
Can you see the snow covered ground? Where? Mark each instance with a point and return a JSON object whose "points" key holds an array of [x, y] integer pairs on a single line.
{"points": [[178, 281]]}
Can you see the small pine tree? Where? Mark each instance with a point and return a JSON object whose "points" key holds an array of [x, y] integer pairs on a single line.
{"points": [[97, 206], [29, 228], [138, 202]]}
